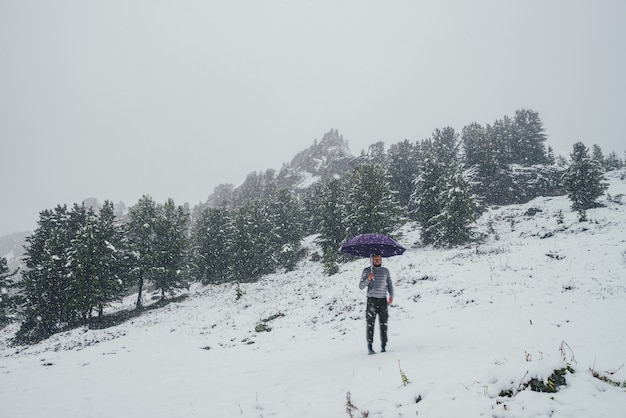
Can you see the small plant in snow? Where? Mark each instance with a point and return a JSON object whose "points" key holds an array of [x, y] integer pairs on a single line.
{"points": [[351, 408], [615, 199], [491, 230], [606, 379], [239, 292], [567, 354], [560, 218], [405, 380]]}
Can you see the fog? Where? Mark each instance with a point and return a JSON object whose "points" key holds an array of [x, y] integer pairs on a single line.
{"points": [[117, 99]]}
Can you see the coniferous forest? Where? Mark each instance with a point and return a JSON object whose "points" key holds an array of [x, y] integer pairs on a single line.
{"points": [[81, 258]]}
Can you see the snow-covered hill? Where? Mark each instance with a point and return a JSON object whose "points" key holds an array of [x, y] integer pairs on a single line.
{"points": [[471, 330]]}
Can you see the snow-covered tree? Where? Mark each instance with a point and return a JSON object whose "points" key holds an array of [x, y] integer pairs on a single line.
{"points": [[476, 145], [612, 162], [458, 211], [47, 284], [96, 261], [528, 139], [598, 155], [445, 145], [6, 283], [286, 223], [112, 269], [142, 242], [250, 252], [584, 179], [425, 202], [209, 248], [330, 215], [371, 205], [403, 168], [171, 248]]}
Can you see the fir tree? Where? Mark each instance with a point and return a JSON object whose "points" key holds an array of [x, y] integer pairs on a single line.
{"points": [[112, 268], [169, 268], [598, 155], [142, 242], [47, 284], [210, 246], [612, 162], [452, 226], [492, 173], [584, 179], [426, 203], [286, 222], [84, 263], [329, 262], [7, 305], [250, 252], [403, 168], [528, 140], [501, 139], [331, 212], [445, 145], [371, 205], [476, 146]]}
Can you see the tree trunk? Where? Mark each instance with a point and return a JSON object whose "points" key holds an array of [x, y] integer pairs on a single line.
{"points": [[139, 303]]}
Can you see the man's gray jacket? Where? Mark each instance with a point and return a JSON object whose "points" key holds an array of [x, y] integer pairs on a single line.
{"points": [[380, 286]]}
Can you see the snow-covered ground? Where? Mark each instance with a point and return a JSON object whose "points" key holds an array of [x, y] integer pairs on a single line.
{"points": [[467, 327]]}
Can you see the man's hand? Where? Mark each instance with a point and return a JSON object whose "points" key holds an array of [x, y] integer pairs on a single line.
{"points": [[370, 276], [390, 301]]}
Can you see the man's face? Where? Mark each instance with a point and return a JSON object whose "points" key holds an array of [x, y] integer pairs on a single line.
{"points": [[377, 260]]}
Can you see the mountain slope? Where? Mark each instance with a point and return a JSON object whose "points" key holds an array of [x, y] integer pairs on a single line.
{"points": [[470, 329]]}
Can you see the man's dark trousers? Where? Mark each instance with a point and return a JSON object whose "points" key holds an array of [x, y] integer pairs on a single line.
{"points": [[377, 306]]}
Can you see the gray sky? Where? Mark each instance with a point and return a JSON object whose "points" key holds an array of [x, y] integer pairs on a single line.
{"points": [[119, 98]]}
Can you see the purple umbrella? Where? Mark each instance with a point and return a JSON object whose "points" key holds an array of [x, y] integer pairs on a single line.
{"points": [[366, 245]]}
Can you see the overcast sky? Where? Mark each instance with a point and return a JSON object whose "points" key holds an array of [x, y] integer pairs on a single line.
{"points": [[119, 98]]}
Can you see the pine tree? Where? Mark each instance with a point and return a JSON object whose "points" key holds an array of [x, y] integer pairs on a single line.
{"points": [[7, 306], [84, 263], [476, 146], [210, 246], [142, 242], [490, 156], [452, 226], [331, 213], [598, 155], [445, 145], [171, 247], [286, 222], [584, 179], [370, 203], [403, 168], [329, 261], [612, 162], [528, 140], [426, 203], [501, 139], [112, 273], [47, 283], [250, 252]]}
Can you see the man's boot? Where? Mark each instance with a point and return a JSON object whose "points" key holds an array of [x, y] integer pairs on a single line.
{"points": [[382, 348], [369, 349]]}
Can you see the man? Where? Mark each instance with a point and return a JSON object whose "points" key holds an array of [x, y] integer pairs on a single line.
{"points": [[378, 282]]}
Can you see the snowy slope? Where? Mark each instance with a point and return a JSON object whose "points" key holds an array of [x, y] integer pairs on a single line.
{"points": [[468, 326]]}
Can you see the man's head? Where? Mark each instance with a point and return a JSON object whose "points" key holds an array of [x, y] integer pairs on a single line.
{"points": [[377, 260]]}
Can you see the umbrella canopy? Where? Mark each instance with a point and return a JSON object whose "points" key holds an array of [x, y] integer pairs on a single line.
{"points": [[366, 245]]}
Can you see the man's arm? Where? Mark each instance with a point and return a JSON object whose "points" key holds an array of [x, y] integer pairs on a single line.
{"points": [[389, 288], [364, 281]]}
